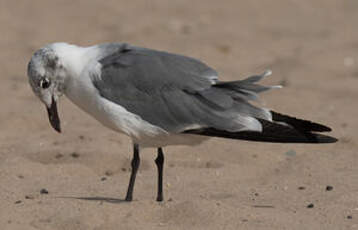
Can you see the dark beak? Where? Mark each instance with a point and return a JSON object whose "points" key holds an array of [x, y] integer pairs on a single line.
{"points": [[53, 116]]}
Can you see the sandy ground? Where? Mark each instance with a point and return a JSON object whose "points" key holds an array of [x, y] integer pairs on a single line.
{"points": [[312, 48]]}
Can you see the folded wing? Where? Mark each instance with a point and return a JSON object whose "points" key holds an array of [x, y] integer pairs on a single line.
{"points": [[181, 94]]}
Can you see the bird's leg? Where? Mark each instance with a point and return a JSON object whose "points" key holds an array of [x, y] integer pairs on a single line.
{"points": [[135, 165], [159, 161]]}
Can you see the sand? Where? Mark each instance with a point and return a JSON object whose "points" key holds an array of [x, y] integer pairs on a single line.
{"points": [[312, 48]]}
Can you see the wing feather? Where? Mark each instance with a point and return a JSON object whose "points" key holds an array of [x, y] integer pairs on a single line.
{"points": [[175, 92]]}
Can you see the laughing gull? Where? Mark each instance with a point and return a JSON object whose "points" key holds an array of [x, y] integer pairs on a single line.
{"points": [[159, 99]]}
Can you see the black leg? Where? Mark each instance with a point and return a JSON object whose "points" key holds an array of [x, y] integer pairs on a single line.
{"points": [[159, 161], [135, 165]]}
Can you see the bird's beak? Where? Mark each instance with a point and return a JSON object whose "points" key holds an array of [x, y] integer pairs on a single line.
{"points": [[53, 116]]}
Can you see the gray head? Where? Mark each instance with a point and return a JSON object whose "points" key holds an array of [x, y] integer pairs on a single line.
{"points": [[46, 77]]}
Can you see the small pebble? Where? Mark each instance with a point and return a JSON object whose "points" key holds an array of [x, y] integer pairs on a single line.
{"points": [[123, 169], [225, 49], [18, 202], [349, 217], [310, 205], [284, 82], [103, 178], [81, 137], [291, 153], [43, 191], [302, 188], [75, 155], [108, 173], [29, 197], [329, 188], [256, 194], [170, 199], [20, 176], [58, 156]]}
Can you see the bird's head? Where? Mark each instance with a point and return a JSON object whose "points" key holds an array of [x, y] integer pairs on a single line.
{"points": [[46, 77]]}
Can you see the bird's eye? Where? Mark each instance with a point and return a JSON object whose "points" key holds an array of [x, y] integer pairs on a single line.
{"points": [[45, 83]]}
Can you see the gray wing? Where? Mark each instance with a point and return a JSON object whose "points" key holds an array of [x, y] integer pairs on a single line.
{"points": [[176, 92]]}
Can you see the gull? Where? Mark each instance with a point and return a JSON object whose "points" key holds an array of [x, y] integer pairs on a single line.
{"points": [[159, 98]]}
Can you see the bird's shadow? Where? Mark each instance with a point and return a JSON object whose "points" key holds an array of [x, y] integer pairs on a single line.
{"points": [[96, 198]]}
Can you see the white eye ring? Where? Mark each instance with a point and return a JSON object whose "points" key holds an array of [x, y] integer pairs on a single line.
{"points": [[45, 83]]}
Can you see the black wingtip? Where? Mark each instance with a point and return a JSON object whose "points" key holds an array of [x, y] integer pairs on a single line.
{"points": [[324, 139], [274, 134], [300, 124], [283, 129]]}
